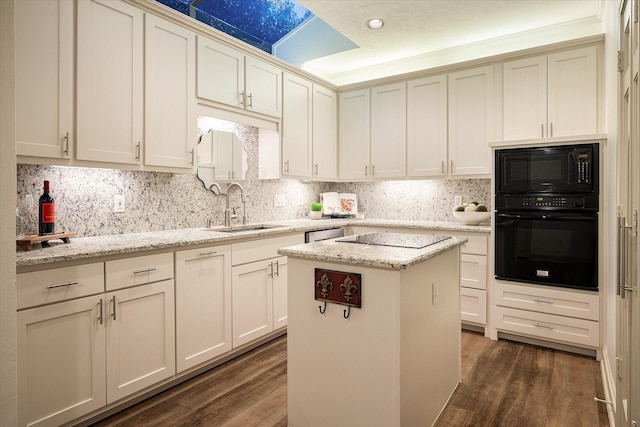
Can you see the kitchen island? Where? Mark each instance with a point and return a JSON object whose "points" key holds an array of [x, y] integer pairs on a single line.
{"points": [[387, 355]]}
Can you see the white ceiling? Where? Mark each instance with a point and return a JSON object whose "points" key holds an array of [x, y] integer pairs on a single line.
{"points": [[415, 32]]}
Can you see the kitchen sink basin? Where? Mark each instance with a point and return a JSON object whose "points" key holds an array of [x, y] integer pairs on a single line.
{"points": [[246, 227]]}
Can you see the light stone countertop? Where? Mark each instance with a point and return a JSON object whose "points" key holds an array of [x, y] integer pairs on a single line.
{"points": [[396, 258], [87, 248]]}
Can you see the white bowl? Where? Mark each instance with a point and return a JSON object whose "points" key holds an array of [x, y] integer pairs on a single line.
{"points": [[472, 218]]}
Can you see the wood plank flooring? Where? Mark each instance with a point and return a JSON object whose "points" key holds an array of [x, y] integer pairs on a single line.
{"points": [[503, 384]]}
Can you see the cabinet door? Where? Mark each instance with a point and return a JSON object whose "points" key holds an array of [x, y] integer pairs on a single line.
{"points": [[109, 85], [471, 121], [427, 127], [263, 87], [44, 78], [203, 305], [573, 94], [140, 338], [325, 134], [170, 99], [220, 73], [389, 131], [61, 350], [296, 127], [279, 292], [525, 98], [355, 134], [252, 296], [473, 306]]}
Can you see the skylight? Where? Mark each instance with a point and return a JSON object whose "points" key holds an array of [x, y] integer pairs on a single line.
{"points": [[268, 24]]}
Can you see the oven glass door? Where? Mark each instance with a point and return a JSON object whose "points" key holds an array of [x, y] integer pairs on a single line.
{"points": [[558, 249]]}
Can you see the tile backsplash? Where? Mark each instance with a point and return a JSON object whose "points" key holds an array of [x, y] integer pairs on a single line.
{"points": [[160, 201]]}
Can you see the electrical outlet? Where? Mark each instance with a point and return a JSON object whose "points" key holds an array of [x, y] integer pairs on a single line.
{"points": [[278, 200], [457, 200], [118, 203], [300, 201]]}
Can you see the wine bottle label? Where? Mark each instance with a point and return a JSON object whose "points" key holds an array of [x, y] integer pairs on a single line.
{"points": [[48, 212]]}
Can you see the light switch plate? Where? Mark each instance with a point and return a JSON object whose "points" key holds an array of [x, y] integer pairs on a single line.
{"points": [[278, 200], [118, 203]]}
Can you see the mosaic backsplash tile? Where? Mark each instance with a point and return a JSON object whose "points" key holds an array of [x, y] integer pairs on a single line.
{"points": [[162, 201]]}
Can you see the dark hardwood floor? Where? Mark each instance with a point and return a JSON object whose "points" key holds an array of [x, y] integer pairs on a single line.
{"points": [[503, 384]]}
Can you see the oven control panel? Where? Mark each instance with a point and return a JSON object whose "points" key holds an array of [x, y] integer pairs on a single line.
{"points": [[545, 202]]}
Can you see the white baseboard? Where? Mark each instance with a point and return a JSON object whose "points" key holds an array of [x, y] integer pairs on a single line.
{"points": [[609, 385]]}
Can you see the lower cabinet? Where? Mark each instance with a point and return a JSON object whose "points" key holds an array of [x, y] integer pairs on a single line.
{"points": [[203, 305], [259, 299], [564, 316], [77, 356]]}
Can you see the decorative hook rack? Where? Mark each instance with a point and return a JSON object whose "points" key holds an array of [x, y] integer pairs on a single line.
{"points": [[348, 293]]}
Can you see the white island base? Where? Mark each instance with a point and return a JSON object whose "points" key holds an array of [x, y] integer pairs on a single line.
{"points": [[394, 362]]}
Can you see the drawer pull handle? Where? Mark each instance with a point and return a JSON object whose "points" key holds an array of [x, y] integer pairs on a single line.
{"points": [[62, 285], [544, 301], [208, 253], [543, 326], [144, 270]]}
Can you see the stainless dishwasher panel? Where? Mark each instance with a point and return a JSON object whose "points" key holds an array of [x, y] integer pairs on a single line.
{"points": [[317, 235]]}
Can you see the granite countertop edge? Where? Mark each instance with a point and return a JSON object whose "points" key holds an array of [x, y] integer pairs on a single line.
{"points": [[87, 248], [395, 258]]}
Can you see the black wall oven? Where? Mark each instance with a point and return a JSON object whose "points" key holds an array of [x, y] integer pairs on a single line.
{"points": [[546, 221]]}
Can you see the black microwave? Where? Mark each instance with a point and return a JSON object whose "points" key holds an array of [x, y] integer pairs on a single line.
{"points": [[567, 169]]}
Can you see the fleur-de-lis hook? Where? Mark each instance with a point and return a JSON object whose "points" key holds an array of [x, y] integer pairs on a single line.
{"points": [[348, 288], [325, 285]]}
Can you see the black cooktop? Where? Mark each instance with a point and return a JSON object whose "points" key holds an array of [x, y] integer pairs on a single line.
{"points": [[400, 240]]}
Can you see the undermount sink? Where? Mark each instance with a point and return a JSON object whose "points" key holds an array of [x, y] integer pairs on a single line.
{"points": [[247, 227]]}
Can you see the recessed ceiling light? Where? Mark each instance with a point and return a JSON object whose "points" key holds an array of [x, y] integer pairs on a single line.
{"points": [[375, 23]]}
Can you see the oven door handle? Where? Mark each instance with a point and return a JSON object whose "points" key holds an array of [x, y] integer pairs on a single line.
{"points": [[555, 217]]}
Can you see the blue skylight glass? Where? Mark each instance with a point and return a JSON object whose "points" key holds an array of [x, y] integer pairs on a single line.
{"points": [[260, 23]]}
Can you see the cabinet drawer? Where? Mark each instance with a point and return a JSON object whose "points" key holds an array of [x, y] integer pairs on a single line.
{"points": [[475, 245], [473, 271], [473, 306], [255, 250], [59, 284], [553, 301], [138, 270], [548, 326]]}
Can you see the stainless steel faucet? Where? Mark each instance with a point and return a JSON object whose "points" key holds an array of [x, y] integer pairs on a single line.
{"points": [[227, 212]]}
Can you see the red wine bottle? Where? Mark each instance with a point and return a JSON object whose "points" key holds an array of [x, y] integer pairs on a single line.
{"points": [[46, 212]]}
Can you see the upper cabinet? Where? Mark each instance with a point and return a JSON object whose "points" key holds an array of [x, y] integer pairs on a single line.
{"points": [[170, 100], [296, 127], [427, 127], [471, 121], [309, 130], [44, 37], [230, 77], [354, 134], [109, 82], [551, 96], [389, 131]]}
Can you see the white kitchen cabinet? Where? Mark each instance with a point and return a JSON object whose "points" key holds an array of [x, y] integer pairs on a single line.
{"points": [[61, 344], [325, 134], [561, 315], [473, 306], [109, 82], [389, 131], [230, 77], [140, 328], [203, 305], [551, 96], [44, 65], [297, 127], [252, 290], [279, 279], [471, 121], [170, 99], [427, 127], [354, 135]]}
